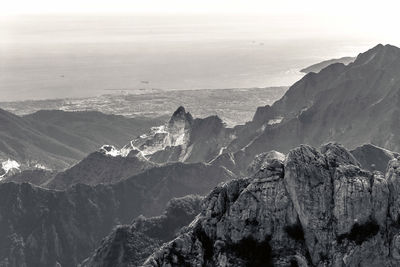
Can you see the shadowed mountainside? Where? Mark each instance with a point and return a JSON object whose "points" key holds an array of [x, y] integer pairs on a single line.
{"points": [[130, 245], [354, 105], [57, 139], [40, 227]]}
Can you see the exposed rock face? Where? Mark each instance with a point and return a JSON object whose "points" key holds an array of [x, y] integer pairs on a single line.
{"points": [[264, 161], [317, 208], [130, 245], [182, 139]]}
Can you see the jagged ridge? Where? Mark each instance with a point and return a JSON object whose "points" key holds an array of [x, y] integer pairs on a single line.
{"points": [[317, 208]]}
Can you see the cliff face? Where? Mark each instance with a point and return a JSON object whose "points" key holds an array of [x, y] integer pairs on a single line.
{"points": [[315, 208]]}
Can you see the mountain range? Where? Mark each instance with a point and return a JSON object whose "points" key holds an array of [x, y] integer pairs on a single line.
{"points": [[353, 104], [57, 139], [271, 201]]}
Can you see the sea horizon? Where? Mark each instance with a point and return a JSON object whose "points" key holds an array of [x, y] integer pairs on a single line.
{"points": [[47, 57]]}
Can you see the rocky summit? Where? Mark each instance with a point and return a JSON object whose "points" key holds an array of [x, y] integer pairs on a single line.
{"points": [[315, 207]]}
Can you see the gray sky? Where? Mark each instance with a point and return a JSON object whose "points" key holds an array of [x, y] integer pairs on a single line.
{"points": [[362, 18], [382, 10]]}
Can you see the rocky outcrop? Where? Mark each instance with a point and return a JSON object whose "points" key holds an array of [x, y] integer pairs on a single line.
{"points": [[263, 161], [181, 139], [315, 208], [130, 245]]}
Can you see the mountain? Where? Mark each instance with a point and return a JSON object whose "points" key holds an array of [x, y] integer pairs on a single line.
{"points": [[58, 139], [95, 126], [34, 176], [130, 245], [100, 167], [315, 208], [301, 207], [322, 65], [354, 105], [182, 139], [23, 142], [42, 227]]}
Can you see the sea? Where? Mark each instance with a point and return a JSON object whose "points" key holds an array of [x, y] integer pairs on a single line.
{"points": [[63, 56]]}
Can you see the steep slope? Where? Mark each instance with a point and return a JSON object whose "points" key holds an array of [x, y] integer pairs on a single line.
{"points": [[317, 208], [22, 141], [353, 104], [373, 157], [322, 65], [182, 139], [34, 176], [40, 227], [96, 127], [100, 167], [57, 139], [130, 245]]}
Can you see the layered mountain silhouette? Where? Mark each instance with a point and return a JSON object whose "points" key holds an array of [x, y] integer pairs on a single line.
{"points": [[354, 105], [99, 168], [297, 207], [58, 139], [42, 227]]}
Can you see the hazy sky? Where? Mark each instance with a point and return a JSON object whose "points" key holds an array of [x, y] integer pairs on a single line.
{"points": [[377, 18], [375, 10], [45, 52]]}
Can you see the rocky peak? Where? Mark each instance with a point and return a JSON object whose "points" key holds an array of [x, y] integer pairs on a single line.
{"points": [[353, 104], [268, 161], [181, 115], [379, 56], [321, 209]]}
